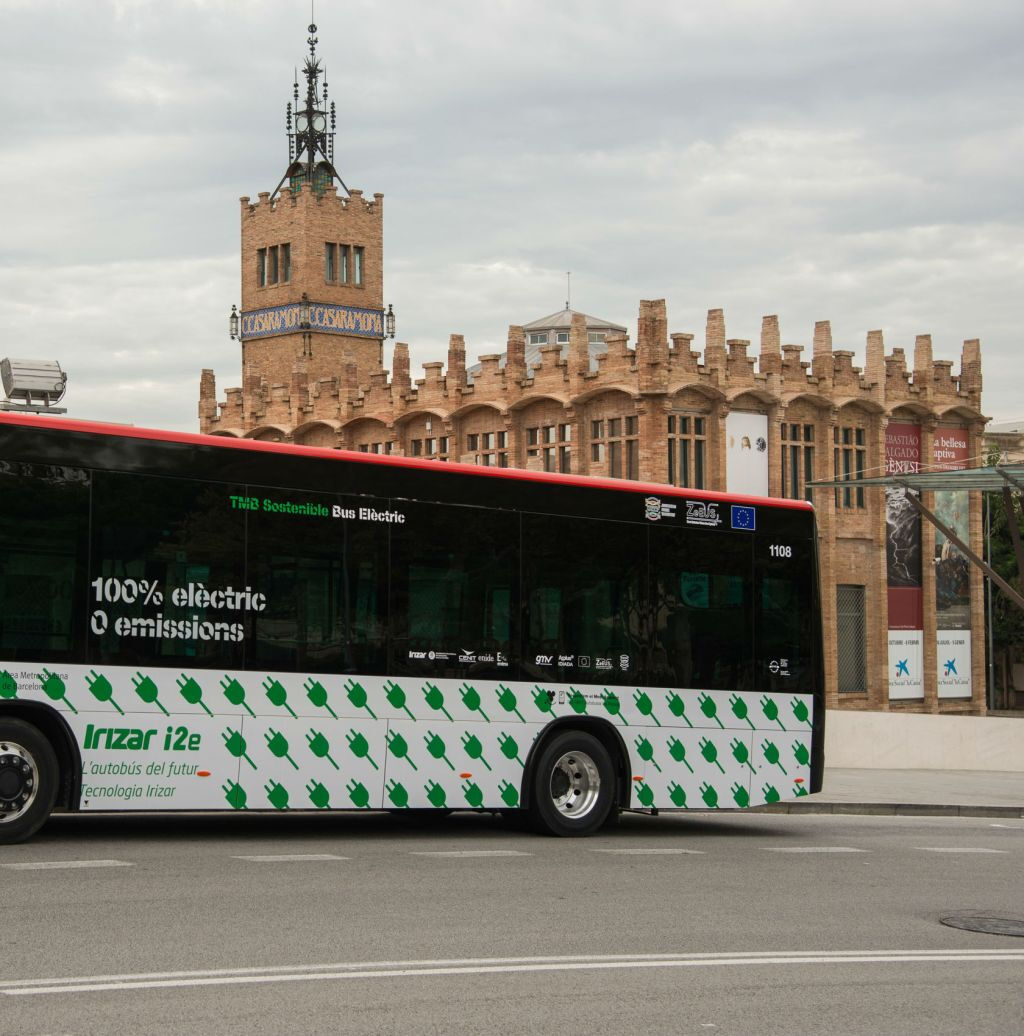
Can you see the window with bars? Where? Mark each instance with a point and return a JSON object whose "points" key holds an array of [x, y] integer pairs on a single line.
{"points": [[848, 458], [489, 449], [431, 447], [687, 450], [553, 444], [375, 447], [273, 265], [851, 639], [358, 264], [614, 441], [336, 262], [797, 460]]}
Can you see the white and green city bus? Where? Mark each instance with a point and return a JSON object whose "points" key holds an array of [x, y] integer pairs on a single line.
{"points": [[191, 622]]}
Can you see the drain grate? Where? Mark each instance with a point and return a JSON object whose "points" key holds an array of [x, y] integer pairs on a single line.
{"points": [[986, 925]]}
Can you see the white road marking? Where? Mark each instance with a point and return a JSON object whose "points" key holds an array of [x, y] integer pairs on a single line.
{"points": [[817, 849], [55, 865], [470, 852], [291, 858], [652, 852], [954, 849], [488, 965]]}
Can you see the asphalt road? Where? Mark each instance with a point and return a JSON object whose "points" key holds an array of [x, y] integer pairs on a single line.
{"points": [[729, 923]]}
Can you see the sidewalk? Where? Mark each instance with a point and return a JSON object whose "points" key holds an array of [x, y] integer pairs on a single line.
{"points": [[966, 793]]}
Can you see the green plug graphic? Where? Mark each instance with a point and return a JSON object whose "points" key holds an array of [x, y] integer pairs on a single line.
{"points": [[509, 794], [437, 748], [235, 794], [803, 756], [740, 795], [644, 705], [192, 692], [577, 702], [645, 750], [709, 795], [318, 795], [9, 686], [236, 745], [677, 795], [471, 699], [235, 693], [645, 793], [474, 796], [739, 709], [399, 747], [800, 791], [800, 711], [542, 698], [770, 708], [475, 750], [740, 753], [771, 753], [677, 707], [358, 794], [436, 795], [509, 748], [612, 705], [709, 708], [360, 747], [277, 794], [278, 745], [435, 699], [507, 700], [147, 691], [54, 687], [710, 752], [677, 750], [98, 685], [317, 694], [396, 697], [320, 746], [771, 793], [356, 694], [397, 794], [277, 695]]}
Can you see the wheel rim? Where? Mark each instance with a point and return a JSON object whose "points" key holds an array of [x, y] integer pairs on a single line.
{"points": [[575, 785], [19, 781]]}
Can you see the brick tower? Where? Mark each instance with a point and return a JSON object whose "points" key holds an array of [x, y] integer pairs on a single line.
{"points": [[311, 259]]}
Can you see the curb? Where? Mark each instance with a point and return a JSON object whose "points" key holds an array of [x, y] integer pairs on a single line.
{"points": [[892, 809]]}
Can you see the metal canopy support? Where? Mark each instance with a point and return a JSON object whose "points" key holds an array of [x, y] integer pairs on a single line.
{"points": [[996, 578]]}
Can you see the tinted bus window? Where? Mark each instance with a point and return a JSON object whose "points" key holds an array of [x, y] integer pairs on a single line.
{"points": [[324, 575], [704, 615], [167, 572], [583, 584], [454, 590], [784, 592], [44, 526]]}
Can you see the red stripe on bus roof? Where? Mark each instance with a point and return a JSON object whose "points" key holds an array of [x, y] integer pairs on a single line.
{"points": [[325, 453]]}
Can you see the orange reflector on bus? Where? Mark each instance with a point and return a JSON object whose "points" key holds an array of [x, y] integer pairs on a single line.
{"points": [[465, 776], [638, 779], [203, 773], [798, 780]]}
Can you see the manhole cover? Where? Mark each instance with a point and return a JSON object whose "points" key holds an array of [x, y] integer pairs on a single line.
{"points": [[987, 925]]}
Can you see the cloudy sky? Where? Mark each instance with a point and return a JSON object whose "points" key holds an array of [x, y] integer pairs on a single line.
{"points": [[852, 161]]}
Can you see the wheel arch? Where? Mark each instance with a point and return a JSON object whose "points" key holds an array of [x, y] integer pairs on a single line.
{"points": [[54, 727], [605, 732]]}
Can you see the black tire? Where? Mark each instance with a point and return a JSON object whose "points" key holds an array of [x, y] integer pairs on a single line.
{"points": [[28, 780], [572, 790]]}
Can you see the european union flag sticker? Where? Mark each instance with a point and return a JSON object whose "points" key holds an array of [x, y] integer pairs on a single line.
{"points": [[744, 518]]}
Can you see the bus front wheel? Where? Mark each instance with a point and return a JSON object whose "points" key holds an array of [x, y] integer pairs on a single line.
{"points": [[573, 786], [28, 780]]}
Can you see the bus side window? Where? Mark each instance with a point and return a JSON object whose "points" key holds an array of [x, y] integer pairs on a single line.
{"points": [[703, 609], [784, 617], [44, 526]]}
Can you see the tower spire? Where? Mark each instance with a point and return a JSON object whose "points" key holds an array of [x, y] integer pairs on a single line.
{"points": [[311, 126]]}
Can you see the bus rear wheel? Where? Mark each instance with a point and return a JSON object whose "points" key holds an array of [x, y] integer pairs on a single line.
{"points": [[573, 786], [28, 780]]}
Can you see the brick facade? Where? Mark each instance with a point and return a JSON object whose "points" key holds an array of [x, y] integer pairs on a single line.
{"points": [[644, 406]]}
